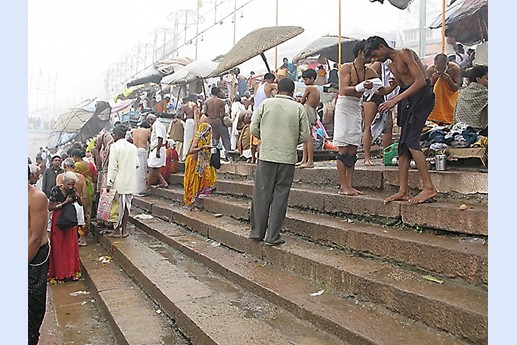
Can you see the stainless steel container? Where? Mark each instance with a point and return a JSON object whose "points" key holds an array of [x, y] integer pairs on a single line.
{"points": [[412, 164], [440, 162], [395, 161]]}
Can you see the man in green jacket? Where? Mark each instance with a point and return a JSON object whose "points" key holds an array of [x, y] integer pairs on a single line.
{"points": [[281, 124]]}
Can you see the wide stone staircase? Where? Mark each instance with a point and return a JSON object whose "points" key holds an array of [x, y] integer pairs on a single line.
{"points": [[353, 271]]}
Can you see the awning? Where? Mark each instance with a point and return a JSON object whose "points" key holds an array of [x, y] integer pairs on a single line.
{"points": [[195, 70], [327, 46], [469, 18]]}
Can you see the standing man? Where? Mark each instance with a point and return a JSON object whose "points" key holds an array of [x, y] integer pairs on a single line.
{"points": [[189, 113], [39, 251], [141, 138], [176, 133], [348, 117], [281, 124], [122, 167], [262, 90], [157, 153], [50, 174], [333, 74], [214, 109], [415, 102]]}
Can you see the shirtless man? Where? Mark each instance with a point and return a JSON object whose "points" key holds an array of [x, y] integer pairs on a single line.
{"points": [[416, 101], [38, 256], [348, 117], [310, 100], [262, 90], [214, 110], [445, 79], [141, 139]]}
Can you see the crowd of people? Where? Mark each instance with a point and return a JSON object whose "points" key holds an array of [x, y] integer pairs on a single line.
{"points": [[266, 124]]}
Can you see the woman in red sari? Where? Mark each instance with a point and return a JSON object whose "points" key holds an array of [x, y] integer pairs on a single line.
{"points": [[64, 256]]}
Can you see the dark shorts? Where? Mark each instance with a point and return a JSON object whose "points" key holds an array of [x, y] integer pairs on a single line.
{"points": [[412, 115]]}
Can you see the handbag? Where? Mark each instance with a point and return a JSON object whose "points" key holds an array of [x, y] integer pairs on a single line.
{"points": [[104, 207], [215, 158], [67, 217]]}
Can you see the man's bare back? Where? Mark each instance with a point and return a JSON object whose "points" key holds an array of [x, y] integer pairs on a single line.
{"points": [[38, 217], [141, 137], [80, 183], [311, 96], [214, 107]]}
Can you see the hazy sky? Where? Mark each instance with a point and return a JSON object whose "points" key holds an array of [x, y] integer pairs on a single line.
{"points": [[77, 42]]}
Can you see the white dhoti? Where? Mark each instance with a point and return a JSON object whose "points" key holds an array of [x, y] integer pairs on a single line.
{"points": [[141, 171], [347, 121], [155, 162], [188, 135], [124, 203]]}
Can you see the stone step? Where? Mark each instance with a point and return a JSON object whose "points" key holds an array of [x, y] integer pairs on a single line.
{"points": [[443, 215], [456, 182], [352, 320], [134, 318], [207, 307], [448, 306], [450, 256]]}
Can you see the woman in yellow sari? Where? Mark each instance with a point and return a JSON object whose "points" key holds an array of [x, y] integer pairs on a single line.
{"points": [[199, 176]]}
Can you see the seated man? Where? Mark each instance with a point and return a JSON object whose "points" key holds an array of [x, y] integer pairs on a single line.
{"points": [[445, 78], [472, 105]]}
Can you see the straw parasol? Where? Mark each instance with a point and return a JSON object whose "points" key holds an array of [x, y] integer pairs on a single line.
{"points": [[255, 43]]}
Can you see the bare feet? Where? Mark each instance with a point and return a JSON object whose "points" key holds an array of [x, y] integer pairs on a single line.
{"points": [[306, 166], [398, 196], [368, 163], [423, 196], [300, 163], [357, 191], [348, 192]]}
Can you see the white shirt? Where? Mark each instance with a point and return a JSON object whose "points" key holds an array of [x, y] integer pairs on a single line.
{"points": [[123, 162], [158, 131]]}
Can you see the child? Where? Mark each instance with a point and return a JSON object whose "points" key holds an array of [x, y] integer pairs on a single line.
{"points": [[310, 100]]}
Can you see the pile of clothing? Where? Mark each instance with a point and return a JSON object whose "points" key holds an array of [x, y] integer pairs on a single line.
{"points": [[459, 135]]}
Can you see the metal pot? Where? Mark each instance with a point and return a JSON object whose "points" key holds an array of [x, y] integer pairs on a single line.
{"points": [[440, 162]]}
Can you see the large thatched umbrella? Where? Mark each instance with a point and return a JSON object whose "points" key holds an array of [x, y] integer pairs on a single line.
{"points": [[255, 43]]}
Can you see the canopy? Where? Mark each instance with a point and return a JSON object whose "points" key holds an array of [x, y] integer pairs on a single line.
{"points": [[469, 18], [327, 46], [159, 69], [80, 122], [148, 75], [195, 70], [255, 43]]}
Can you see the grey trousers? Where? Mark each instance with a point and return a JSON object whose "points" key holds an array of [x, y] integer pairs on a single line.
{"points": [[270, 194]]}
